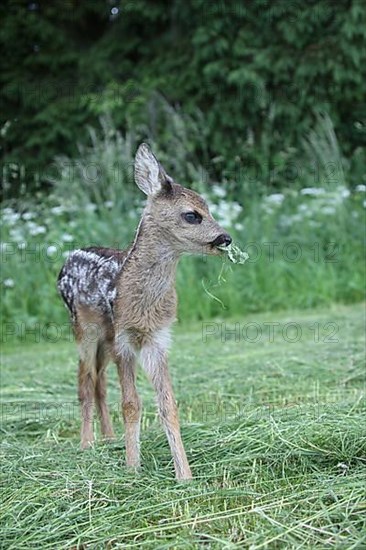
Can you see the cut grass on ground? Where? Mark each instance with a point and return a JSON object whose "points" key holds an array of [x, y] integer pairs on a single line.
{"points": [[274, 432]]}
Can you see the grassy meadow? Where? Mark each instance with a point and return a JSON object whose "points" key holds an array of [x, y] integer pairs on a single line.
{"points": [[259, 106], [267, 364], [273, 424]]}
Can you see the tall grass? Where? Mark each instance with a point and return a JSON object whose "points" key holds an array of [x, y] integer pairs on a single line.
{"points": [[305, 242]]}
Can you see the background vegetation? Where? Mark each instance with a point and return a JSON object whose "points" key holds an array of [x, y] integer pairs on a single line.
{"points": [[306, 244], [260, 106], [254, 73]]}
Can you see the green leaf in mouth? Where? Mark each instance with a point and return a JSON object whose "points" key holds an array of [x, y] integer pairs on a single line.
{"points": [[234, 253]]}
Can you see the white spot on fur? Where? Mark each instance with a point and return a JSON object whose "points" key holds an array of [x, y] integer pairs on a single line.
{"points": [[153, 354], [89, 279], [151, 358], [123, 346], [162, 338]]}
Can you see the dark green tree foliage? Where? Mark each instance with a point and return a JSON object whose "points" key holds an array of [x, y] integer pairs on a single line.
{"points": [[258, 70]]}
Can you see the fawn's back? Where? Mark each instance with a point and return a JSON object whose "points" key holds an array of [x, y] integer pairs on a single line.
{"points": [[122, 304]]}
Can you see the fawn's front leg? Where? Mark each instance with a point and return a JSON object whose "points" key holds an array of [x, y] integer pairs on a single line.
{"points": [[131, 408], [154, 362]]}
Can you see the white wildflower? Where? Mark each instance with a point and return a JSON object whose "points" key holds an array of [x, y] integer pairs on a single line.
{"points": [[51, 249], [37, 230], [67, 238], [285, 221], [236, 207], [239, 226], [364, 204], [9, 216], [328, 210], [218, 191], [312, 191], [275, 198], [268, 209], [344, 192], [226, 212], [28, 216], [8, 210], [361, 188], [223, 208], [22, 245], [108, 204], [16, 234], [90, 207], [8, 283], [57, 210]]}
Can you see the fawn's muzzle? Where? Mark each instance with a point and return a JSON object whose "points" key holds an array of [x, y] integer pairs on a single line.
{"points": [[222, 240]]}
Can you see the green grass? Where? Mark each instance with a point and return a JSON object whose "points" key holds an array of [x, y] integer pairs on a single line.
{"points": [[274, 432]]}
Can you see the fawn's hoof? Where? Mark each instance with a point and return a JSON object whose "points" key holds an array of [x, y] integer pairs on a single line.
{"points": [[87, 444]]}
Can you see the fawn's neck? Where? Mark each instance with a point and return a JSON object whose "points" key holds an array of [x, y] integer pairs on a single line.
{"points": [[150, 268]]}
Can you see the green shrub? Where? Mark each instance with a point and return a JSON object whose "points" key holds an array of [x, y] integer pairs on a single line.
{"points": [[258, 72]]}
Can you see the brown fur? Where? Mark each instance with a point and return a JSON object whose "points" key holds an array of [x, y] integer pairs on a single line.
{"points": [[144, 309]]}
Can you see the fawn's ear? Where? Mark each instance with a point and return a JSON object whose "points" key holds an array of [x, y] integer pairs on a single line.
{"points": [[150, 176]]}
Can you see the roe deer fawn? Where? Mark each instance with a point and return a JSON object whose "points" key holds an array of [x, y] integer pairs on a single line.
{"points": [[122, 304]]}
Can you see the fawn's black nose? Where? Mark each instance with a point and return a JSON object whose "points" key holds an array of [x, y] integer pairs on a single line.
{"points": [[223, 239]]}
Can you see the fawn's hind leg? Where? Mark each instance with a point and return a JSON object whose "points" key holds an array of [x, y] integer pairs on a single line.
{"points": [[88, 333], [101, 393], [131, 408], [86, 391]]}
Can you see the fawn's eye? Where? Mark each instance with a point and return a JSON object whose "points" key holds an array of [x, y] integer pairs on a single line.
{"points": [[192, 217]]}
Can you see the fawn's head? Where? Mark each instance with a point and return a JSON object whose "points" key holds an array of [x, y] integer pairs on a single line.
{"points": [[181, 216]]}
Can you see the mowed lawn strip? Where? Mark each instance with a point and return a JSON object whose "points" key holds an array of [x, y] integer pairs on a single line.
{"points": [[273, 419]]}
